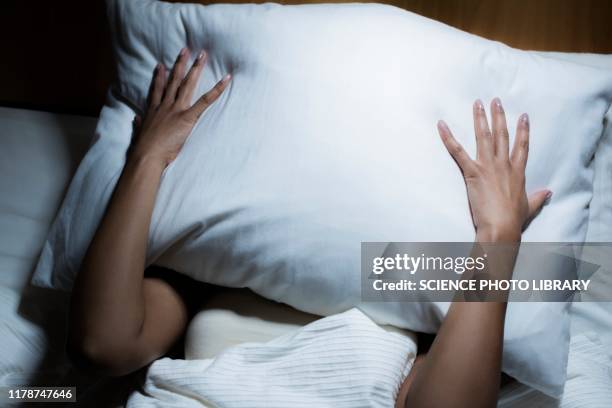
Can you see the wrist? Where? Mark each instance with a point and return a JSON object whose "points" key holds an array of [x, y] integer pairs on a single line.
{"points": [[145, 161], [498, 234], [145, 155]]}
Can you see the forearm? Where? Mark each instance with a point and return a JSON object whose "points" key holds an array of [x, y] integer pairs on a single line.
{"points": [[120, 320], [107, 298], [463, 366]]}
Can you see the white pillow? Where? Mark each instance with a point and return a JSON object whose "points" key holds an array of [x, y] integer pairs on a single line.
{"points": [[39, 152], [326, 138], [600, 208]]}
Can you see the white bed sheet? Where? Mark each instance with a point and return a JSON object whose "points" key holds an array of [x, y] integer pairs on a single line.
{"points": [[39, 152], [38, 155]]}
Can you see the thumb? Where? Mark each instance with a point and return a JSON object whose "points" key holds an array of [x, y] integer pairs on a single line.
{"points": [[536, 201]]}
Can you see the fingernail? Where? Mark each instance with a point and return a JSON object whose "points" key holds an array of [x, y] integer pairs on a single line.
{"points": [[478, 104], [442, 125], [524, 119], [498, 105], [200, 58], [549, 194], [226, 78], [182, 52]]}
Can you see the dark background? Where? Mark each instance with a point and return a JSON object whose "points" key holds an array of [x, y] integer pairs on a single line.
{"points": [[56, 55]]}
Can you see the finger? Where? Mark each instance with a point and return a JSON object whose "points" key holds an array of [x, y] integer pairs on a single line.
{"points": [[520, 150], [500, 129], [536, 202], [157, 86], [484, 140], [185, 92], [176, 77], [455, 149], [209, 97]]}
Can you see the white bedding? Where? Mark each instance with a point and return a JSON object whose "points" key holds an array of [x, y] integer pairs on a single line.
{"points": [[229, 207], [279, 365], [38, 153], [344, 360], [235, 318]]}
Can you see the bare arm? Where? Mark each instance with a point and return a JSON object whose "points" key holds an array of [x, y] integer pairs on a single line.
{"points": [[120, 321], [463, 366]]}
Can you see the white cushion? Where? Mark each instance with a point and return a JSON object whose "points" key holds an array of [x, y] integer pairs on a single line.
{"points": [[600, 208], [326, 138]]}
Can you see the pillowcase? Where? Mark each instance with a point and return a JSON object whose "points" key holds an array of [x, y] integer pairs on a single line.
{"points": [[600, 208], [39, 152], [326, 138]]}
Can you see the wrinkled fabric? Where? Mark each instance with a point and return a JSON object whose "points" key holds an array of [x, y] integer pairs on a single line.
{"points": [[325, 139]]}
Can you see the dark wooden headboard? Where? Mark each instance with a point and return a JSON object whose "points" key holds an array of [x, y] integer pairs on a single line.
{"points": [[57, 57]]}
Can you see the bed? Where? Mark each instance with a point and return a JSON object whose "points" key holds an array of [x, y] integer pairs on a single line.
{"points": [[38, 155], [33, 320]]}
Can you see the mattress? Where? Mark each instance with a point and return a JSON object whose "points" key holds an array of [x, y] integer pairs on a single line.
{"points": [[38, 154]]}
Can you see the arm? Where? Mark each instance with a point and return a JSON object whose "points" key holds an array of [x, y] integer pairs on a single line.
{"points": [[463, 366], [119, 321]]}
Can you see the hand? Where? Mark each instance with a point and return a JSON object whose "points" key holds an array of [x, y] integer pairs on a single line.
{"points": [[495, 180], [170, 117]]}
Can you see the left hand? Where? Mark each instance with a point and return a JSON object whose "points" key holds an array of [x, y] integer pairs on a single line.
{"points": [[495, 180]]}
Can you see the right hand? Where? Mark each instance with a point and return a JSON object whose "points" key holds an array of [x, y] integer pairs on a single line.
{"points": [[170, 116], [495, 180]]}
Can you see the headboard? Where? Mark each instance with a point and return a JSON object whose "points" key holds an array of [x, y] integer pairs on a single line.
{"points": [[57, 53]]}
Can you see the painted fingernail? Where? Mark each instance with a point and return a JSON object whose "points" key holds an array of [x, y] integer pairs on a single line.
{"points": [[201, 56], [226, 78], [498, 105], [478, 104], [549, 194], [442, 125], [524, 119]]}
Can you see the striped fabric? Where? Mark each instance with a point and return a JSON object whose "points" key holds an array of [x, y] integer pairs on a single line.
{"points": [[588, 385], [344, 360], [589, 374]]}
